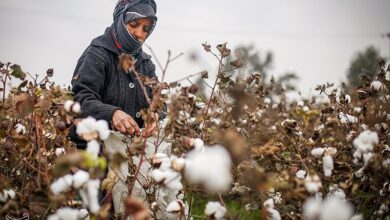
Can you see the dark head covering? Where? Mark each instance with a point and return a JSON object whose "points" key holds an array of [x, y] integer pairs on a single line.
{"points": [[125, 12]]}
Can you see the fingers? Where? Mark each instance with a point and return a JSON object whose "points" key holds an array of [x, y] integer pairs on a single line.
{"points": [[134, 125], [118, 125], [127, 126], [149, 128]]}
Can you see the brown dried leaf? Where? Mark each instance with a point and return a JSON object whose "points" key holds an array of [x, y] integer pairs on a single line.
{"points": [[270, 148], [24, 104]]}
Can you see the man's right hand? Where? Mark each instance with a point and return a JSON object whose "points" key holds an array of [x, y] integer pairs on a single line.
{"points": [[124, 123]]}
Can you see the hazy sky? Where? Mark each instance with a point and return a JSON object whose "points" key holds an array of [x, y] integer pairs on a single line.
{"points": [[315, 39]]}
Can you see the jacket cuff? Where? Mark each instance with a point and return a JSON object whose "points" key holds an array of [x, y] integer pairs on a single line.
{"points": [[106, 111]]}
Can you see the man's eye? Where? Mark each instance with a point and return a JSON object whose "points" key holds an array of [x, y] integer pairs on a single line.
{"points": [[133, 24]]}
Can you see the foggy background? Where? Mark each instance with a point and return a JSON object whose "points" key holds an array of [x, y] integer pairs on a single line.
{"points": [[314, 39]]}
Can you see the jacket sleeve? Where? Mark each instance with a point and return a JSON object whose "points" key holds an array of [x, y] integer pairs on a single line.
{"points": [[88, 86]]}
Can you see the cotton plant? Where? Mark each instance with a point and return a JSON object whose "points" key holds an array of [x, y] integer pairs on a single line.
{"points": [[65, 183], [364, 145], [92, 130], [87, 188], [164, 172], [327, 155]]}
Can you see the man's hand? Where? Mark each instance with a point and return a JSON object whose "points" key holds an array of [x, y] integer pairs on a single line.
{"points": [[124, 123], [151, 126]]}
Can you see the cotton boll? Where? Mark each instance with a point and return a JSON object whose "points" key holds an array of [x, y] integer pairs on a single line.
{"points": [[89, 128], [102, 128], [313, 183], [84, 196], [335, 191], [359, 173], [76, 107], [69, 214], [211, 168], [357, 110], [335, 209], [216, 121], [80, 178], [20, 129], [357, 154], [178, 164], [161, 161], [172, 180], [318, 152], [277, 197], [59, 151], [327, 163], [365, 141], [5, 195], [67, 105], [311, 209], [93, 191], [305, 108], [273, 214], [175, 206], [158, 175], [11, 194], [301, 174], [346, 119], [169, 178], [62, 184], [343, 99], [376, 85], [198, 144], [269, 203], [366, 158], [215, 210], [83, 213], [93, 148]]}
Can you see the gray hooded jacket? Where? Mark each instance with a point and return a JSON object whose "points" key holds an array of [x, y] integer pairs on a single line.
{"points": [[101, 87]]}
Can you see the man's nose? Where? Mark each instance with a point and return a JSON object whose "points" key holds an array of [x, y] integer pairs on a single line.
{"points": [[139, 34]]}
